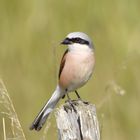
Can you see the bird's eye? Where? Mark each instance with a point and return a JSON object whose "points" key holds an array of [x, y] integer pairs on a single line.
{"points": [[76, 40]]}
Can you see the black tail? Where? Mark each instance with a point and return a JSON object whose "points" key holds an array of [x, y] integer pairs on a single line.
{"points": [[39, 121]]}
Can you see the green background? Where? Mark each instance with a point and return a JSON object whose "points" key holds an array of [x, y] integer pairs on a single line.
{"points": [[30, 33]]}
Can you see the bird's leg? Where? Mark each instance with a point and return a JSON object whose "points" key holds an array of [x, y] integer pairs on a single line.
{"points": [[80, 97], [69, 99], [77, 95], [63, 96]]}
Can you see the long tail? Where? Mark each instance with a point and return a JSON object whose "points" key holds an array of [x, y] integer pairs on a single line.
{"points": [[46, 110]]}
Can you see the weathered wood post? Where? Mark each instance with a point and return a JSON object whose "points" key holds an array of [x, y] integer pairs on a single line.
{"points": [[77, 120]]}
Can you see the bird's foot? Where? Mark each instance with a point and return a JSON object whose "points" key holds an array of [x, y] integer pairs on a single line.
{"points": [[71, 105]]}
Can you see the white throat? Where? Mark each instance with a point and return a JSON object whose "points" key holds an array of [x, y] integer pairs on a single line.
{"points": [[79, 48]]}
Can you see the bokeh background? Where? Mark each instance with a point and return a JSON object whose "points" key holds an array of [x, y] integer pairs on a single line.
{"points": [[30, 33]]}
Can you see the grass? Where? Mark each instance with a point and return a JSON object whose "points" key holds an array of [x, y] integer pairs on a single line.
{"points": [[4, 130], [9, 117]]}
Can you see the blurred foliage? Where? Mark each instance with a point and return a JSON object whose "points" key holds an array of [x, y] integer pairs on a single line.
{"points": [[30, 32]]}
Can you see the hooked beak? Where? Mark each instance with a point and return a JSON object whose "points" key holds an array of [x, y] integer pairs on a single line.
{"points": [[66, 41]]}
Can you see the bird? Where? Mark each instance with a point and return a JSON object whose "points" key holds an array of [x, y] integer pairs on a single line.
{"points": [[76, 68]]}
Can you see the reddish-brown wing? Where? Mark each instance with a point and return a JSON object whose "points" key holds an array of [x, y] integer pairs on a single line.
{"points": [[62, 64]]}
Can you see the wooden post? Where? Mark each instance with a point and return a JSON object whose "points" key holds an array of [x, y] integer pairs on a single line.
{"points": [[77, 120]]}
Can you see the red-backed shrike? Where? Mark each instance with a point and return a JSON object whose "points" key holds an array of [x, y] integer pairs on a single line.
{"points": [[75, 70]]}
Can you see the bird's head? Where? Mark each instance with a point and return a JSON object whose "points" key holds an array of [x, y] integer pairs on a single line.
{"points": [[77, 41]]}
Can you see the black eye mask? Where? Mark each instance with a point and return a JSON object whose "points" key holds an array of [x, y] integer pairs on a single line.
{"points": [[75, 40], [79, 40]]}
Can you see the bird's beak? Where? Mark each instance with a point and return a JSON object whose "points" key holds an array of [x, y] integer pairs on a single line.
{"points": [[66, 41]]}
